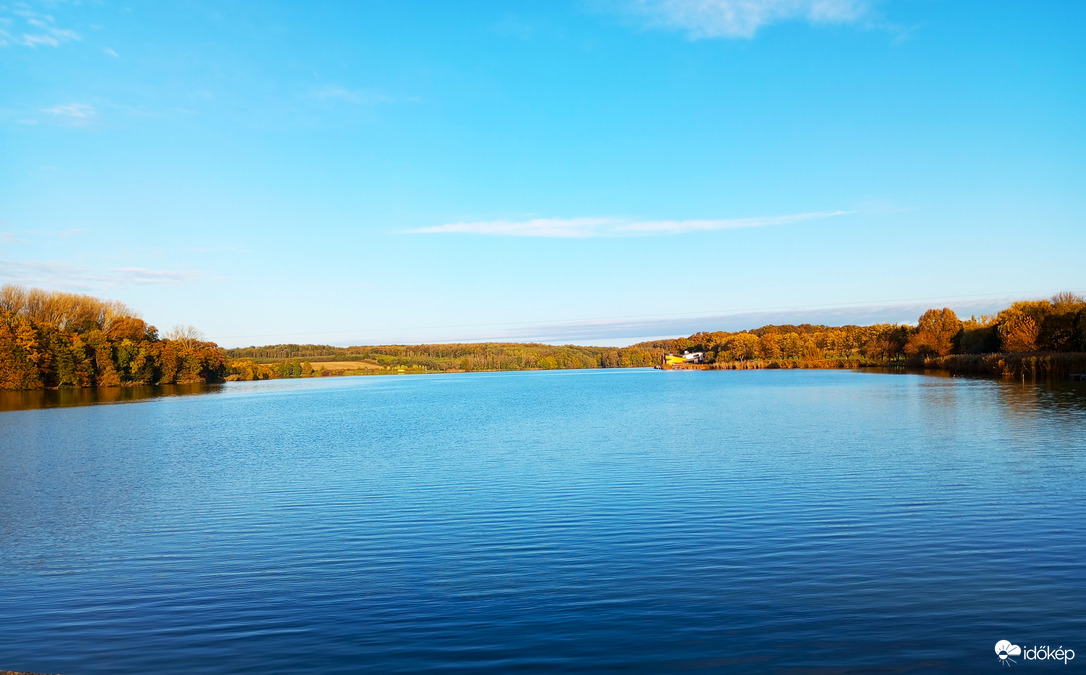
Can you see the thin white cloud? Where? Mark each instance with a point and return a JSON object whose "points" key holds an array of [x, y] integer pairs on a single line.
{"points": [[743, 18], [677, 226], [75, 111], [33, 31], [71, 114], [536, 227], [35, 40], [53, 274], [626, 331], [335, 92], [583, 228], [9, 238], [144, 276], [110, 52]]}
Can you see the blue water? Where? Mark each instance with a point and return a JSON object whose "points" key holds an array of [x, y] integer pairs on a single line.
{"points": [[753, 521]]}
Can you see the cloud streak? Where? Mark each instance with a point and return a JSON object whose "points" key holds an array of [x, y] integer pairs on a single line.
{"points": [[583, 228], [626, 331], [622, 332], [337, 93], [35, 30], [71, 111], [736, 19], [70, 115], [52, 274]]}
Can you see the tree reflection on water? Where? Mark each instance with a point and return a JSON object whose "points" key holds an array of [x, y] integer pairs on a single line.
{"points": [[63, 398]]}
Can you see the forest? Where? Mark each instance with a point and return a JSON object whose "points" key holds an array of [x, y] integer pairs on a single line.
{"points": [[50, 339], [1057, 326], [464, 357]]}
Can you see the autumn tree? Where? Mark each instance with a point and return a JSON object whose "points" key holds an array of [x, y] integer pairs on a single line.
{"points": [[21, 353], [55, 339], [936, 333], [885, 341], [1020, 325], [741, 346]]}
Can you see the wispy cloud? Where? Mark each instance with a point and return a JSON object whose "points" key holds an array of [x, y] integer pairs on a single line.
{"points": [[110, 52], [53, 274], [536, 227], [333, 93], [79, 111], [742, 18], [9, 238], [582, 228], [625, 331], [677, 226], [31, 29], [72, 114], [144, 276]]}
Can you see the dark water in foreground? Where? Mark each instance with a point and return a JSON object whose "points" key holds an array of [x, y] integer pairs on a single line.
{"points": [[751, 521]]}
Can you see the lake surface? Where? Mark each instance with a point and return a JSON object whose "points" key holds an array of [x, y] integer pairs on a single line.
{"points": [[729, 521]]}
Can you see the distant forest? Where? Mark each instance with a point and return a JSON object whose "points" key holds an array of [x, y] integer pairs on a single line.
{"points": [[466, 357], [1056, 326], [52, 339]]}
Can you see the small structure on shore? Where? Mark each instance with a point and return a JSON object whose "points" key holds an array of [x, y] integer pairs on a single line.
{"points": [[672, 360]]}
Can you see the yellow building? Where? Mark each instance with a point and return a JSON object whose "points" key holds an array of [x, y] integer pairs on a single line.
{"points": [[687, 357]]}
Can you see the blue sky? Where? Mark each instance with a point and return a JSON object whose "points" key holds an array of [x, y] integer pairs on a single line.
{"points": [[590, 171]]}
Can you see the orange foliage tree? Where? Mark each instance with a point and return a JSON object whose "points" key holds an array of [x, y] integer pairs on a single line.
{"points": [[51, 339], [936, 333]]}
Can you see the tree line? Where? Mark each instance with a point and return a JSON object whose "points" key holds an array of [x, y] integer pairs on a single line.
{"points": [[52, 339], [460, 357], [1054, 325]]}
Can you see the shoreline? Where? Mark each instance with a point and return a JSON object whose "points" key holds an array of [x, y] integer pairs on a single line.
{"points": [[1035, 366], [1032, 366]]}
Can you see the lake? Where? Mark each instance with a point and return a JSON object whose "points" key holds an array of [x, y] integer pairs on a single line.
{"points": [[641, 520]]}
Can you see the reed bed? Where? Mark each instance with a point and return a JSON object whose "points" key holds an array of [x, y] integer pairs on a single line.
{"points": [[1030, 366]]}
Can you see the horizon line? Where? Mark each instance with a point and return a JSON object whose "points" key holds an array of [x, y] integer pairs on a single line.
{"points": [[667, 326]]}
